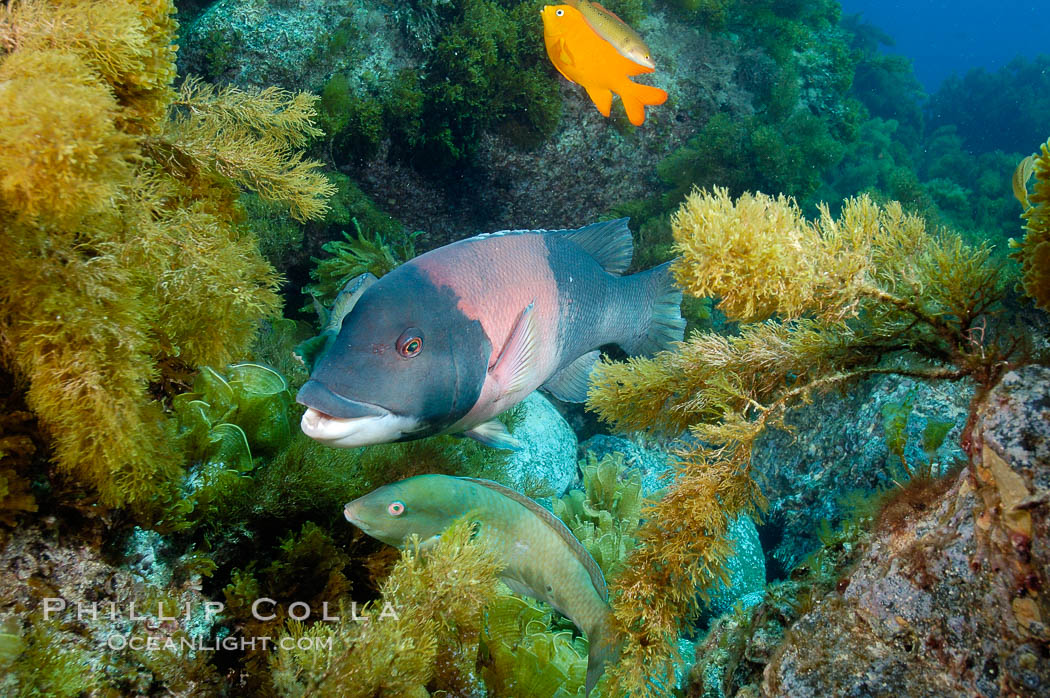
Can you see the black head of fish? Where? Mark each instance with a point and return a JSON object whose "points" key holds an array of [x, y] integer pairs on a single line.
{"points": [[406, 358]]}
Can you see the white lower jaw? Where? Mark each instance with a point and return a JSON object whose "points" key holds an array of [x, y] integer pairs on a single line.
{"points": [[356, 431], [362, 525]]}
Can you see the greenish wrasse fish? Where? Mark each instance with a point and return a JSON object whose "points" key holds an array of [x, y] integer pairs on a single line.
{"points": [[452, 338], [542, 557], [625, 40]]}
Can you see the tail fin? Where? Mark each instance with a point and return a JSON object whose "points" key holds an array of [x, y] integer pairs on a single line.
{"points": [[636, 97], [666, 325], [605, 645]]}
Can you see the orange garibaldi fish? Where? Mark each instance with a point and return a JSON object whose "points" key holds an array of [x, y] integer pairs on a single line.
{"points": [[584, 57]]}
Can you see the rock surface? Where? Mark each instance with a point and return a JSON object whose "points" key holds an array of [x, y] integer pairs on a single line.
{"points": [[651, 462], [289, 43], [952, 600], [747, 570], [589, 165], [547, 461], [839, 445], [100, 613]]}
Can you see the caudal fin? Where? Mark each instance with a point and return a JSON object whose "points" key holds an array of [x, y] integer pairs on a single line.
{"points": [[666, 325], [636, 96], [605, 645]]}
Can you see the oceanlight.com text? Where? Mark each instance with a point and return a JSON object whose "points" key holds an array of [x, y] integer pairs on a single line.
{"points": [[149, 643]]}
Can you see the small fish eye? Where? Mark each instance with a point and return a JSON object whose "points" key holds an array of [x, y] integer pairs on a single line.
{"points": [[410, 342], [396, 508], [559, 12]]}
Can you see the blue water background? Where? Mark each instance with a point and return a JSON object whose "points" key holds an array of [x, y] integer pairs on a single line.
{"points": [[944, 37]]}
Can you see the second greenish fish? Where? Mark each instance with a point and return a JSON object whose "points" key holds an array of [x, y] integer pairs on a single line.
{"points": [[542, 557]]}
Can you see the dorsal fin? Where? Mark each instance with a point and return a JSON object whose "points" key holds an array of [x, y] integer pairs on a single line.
{"points": [[559, 527], [520, 231], [610, 13], [609, 242]]}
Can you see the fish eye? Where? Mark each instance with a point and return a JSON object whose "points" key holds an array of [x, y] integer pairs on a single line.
{"points": [[410, 342], [395, 508], [559, 12]]}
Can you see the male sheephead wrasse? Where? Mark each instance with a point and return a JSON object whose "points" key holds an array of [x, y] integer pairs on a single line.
{"points": [[452, 338], [541, 557], [584, 56]]}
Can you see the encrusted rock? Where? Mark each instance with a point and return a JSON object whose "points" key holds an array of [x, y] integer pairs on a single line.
{"points": [[653, 464], [951, 601], [746, 567], [128, 621], [838, 444], [546, 462]]}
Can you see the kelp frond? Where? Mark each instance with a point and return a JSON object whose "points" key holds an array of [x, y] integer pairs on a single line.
{"points": [[128, 45], [125, 246], [431, 637], [79, 157], [251, 137], [822, 303], [793, 267], [1034, 250], [711, 373], [272, 113], [362, 252]]}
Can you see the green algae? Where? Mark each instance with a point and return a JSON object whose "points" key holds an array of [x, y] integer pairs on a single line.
{"points": [[606, 513]]}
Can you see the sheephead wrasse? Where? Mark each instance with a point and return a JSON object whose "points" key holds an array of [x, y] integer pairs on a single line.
{"points": [[452, 338], [541, 557], [585, 57]]}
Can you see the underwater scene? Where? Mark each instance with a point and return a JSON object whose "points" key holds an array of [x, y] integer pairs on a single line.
{"points": [[515, 349]]}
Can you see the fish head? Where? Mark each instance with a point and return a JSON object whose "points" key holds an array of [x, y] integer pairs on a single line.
{"points": [[424, 505], [406, 363], [639, 54], [559, 19]]}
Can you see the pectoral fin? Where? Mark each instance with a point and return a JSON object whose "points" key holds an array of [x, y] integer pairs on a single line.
{"points": [[310, 350], [516, 585], [516, 362], [493, 433]]}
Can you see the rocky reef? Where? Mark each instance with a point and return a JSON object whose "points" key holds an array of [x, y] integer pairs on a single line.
{"points": [[841, 448], [945, 595], [837, 485], [426, 102]]}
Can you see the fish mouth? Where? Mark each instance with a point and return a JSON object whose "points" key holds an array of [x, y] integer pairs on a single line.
{"points": [[351, 514], [340, 422], [356, 431], [641, 60]]}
